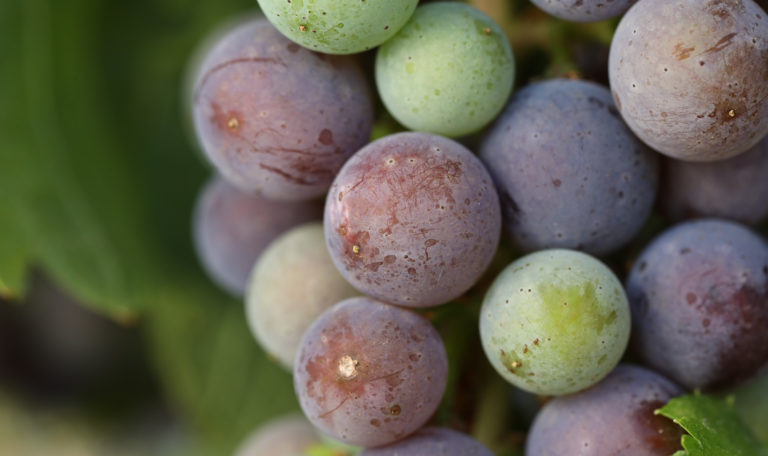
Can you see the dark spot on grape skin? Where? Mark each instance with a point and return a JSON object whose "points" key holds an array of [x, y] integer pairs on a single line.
{"points": [[658, 433], [326, 137]]}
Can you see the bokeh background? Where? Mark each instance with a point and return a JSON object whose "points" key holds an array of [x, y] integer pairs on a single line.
{"points": [[112, 340]]}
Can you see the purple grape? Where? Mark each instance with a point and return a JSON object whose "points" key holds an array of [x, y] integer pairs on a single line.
{"points": [[285, 436], [689, 76], [584, 10], [699, 300], [232, 228], [735, 188], [432, 442], [278, 119], [413, 219], [369, 373], [614, 417], [570, 174]]}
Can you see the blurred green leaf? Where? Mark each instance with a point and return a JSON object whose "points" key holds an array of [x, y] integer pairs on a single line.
{"points": [[713, 426], [751, 403], [97, 183]]}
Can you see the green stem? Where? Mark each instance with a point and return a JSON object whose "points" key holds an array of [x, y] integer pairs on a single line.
{"points": [[491, 415]]}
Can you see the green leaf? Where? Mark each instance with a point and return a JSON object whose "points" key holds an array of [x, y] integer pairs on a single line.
{"points": [[97, 183], [714, 428], [751, 403]]}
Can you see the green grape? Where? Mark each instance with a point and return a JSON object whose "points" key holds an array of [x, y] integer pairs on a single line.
{"points": [[338, 26], [555, 322], [448, 71]]}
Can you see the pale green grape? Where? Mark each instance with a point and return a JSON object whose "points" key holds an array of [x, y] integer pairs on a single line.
{"points": [[338, 26], [555, 322], [448, 71], [293, 282]]}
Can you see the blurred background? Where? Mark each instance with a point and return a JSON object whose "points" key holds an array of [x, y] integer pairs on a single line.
{"points": [[112, 340]]}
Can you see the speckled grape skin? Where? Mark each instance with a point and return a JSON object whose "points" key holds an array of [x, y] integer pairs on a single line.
{"points": [[555, 322], [700, 305], [690, 77], [570, 174], [369, 373], [584, 10], [276, 119], [293, 282], [413, 219], [448, 71], [338, 26], [432, 442], [232, 228], [735, 188], [285, 436], [614, 417]]}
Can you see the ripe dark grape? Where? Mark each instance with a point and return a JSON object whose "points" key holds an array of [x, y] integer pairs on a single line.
{"points": [[735, 188], [432, 442], [570, 174], [277, 119], [284, 436], [369, 373], [231, 228], [584, 10], [699, 299], [689, 76], [614, 417], [413, 219], [293, 282]]}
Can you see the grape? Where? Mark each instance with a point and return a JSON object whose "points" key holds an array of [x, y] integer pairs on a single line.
{"points": [[614, 417], [448, 71], [699, 303], [689, 76], [735, 188], [231, 228], [555, 322], [413, 219], [277, 119], [570, 174], [432, 442], [368, 373], [286, 436], [293, 282], [338, 26], [584, 10]]}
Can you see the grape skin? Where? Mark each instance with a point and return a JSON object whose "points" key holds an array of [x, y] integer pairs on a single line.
{"points": [[432, 441], [448, 71], [292, 283], [555, 322], [276, 119], [232, 228], [413, 219], [584, 10], [611, 418], [699, 298], [369, 373], [735, 188], [285, 436], [570, 174], [338, 26], [689, 76]]}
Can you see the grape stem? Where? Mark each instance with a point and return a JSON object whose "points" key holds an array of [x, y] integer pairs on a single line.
{"points": [[490, 416]]}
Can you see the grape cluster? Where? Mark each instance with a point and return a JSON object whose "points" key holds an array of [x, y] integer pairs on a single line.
{"points": [[565, 169]]}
